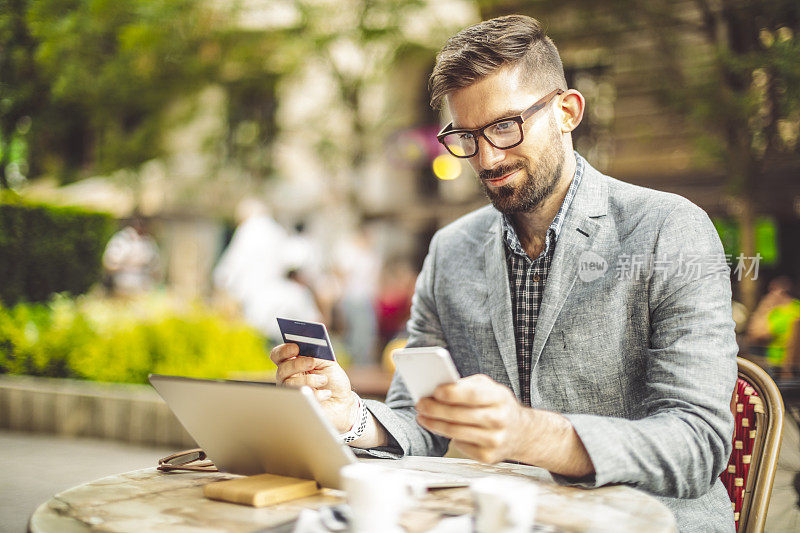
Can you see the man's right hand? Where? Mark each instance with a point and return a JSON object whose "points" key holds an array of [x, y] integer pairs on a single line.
{"points": [[327, 379]]}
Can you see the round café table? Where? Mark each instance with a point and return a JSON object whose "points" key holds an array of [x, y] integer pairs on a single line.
{"points": [[149, 500]]}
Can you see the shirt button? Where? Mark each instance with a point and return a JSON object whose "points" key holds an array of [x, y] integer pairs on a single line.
{"points": [[536, 278]]}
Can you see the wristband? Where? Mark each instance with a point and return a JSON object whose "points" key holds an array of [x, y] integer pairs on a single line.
{"points": [[361, 423]]}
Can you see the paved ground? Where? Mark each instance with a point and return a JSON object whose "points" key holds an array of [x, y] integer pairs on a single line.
{"points": [[784, 507], [34, 467]]}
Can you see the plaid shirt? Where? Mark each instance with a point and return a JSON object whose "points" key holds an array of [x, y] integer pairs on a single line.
{"points": [[527, 277]]}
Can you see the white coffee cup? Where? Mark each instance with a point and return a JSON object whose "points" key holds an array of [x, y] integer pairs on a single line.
{"points": [[506, 505], [377, 496]]}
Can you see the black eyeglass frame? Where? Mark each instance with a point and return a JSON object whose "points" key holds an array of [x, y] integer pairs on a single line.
{"points": [[479, 132]]}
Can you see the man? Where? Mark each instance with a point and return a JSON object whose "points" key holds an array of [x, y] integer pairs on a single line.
{"points": [[772, 325], [598, 373], [131, 260]]}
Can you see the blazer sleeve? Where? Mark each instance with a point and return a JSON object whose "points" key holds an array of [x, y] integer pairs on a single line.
{"points": [[683, 443], [397, 414]]}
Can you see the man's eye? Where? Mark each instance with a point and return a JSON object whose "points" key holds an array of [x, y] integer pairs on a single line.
{"points": [[504, 126], [465, 136]]}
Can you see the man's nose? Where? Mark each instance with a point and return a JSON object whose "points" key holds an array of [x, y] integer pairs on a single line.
{"points": [[488, 155]]}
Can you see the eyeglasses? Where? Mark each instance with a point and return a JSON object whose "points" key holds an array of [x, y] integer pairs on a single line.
{"points": [[504, 133], [193, 460]]}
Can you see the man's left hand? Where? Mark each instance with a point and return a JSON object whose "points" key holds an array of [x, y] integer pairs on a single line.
{"points": [[482, 417]]}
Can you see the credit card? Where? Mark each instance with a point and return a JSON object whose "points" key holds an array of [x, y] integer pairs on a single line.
{"points": [[311, 337]]}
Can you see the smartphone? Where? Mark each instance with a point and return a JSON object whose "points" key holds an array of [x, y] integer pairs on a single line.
{"points": [[423, 369], [311, 337]]}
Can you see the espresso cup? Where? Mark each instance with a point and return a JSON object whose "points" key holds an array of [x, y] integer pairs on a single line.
{"points": [[506, 505], [377, 497]]}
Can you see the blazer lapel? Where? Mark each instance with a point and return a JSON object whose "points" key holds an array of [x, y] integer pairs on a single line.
{"points": [[577, 236], [500, 302]]}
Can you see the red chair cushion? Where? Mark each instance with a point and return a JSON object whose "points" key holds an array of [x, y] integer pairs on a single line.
{"points": [[735, 476]]}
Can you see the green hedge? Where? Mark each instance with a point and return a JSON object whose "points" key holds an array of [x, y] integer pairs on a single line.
{"points": [[123, 341], [47, 249]]}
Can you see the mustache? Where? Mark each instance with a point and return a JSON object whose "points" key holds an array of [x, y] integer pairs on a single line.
{"points": [[499, 172]]}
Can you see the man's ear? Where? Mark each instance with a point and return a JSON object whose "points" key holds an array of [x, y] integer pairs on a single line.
{"points": [[572, 107]]}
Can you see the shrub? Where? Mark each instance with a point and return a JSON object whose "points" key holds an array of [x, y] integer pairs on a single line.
{"points": [[120, 341], [47, 249]]}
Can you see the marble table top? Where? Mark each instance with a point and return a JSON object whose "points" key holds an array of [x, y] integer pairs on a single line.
{"points": [[149, 500]]}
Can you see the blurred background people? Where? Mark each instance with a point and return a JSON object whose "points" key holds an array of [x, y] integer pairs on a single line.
{"points": [[131, 260], [253, 258], [306, 266], [393, 301], [357, 265], [774, 321], [259, 271]]}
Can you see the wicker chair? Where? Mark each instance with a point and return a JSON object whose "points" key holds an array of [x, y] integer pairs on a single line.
{"points": [[758, 411]]}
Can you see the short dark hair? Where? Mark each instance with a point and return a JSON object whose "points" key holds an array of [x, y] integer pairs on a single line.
{"points": [[482, 49]]}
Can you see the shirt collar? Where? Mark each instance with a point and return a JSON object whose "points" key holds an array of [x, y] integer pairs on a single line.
{"points": [[554, 230]]}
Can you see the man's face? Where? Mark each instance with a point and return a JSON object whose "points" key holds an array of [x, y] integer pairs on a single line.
{"points": [[516, 180]]}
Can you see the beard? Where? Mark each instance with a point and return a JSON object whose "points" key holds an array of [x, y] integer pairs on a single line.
{"points": [[534, 185]]}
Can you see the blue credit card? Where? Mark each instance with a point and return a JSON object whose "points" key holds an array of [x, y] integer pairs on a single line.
{"points": [[311, 337]]}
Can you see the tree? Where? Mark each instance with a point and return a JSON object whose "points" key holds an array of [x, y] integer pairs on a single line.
{"points": [[356, 44], [19, 81], [84, 84], [742, 94]]}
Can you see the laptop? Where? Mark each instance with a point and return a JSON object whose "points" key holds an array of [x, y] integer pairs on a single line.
{"points": [[252, 428]]}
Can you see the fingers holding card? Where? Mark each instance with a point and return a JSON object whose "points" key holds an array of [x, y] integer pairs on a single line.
{"points": [[307, 359], [311, 338]]}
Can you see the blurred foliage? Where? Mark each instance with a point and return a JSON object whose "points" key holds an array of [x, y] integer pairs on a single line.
{"points": [[731, 68], [88, 87], [740, 88], [357, 43], [123, 341], [47, 249], [86, 84], [766, 230]]}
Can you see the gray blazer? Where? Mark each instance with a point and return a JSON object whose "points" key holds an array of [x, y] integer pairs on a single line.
{"points": [[642, 360]]}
